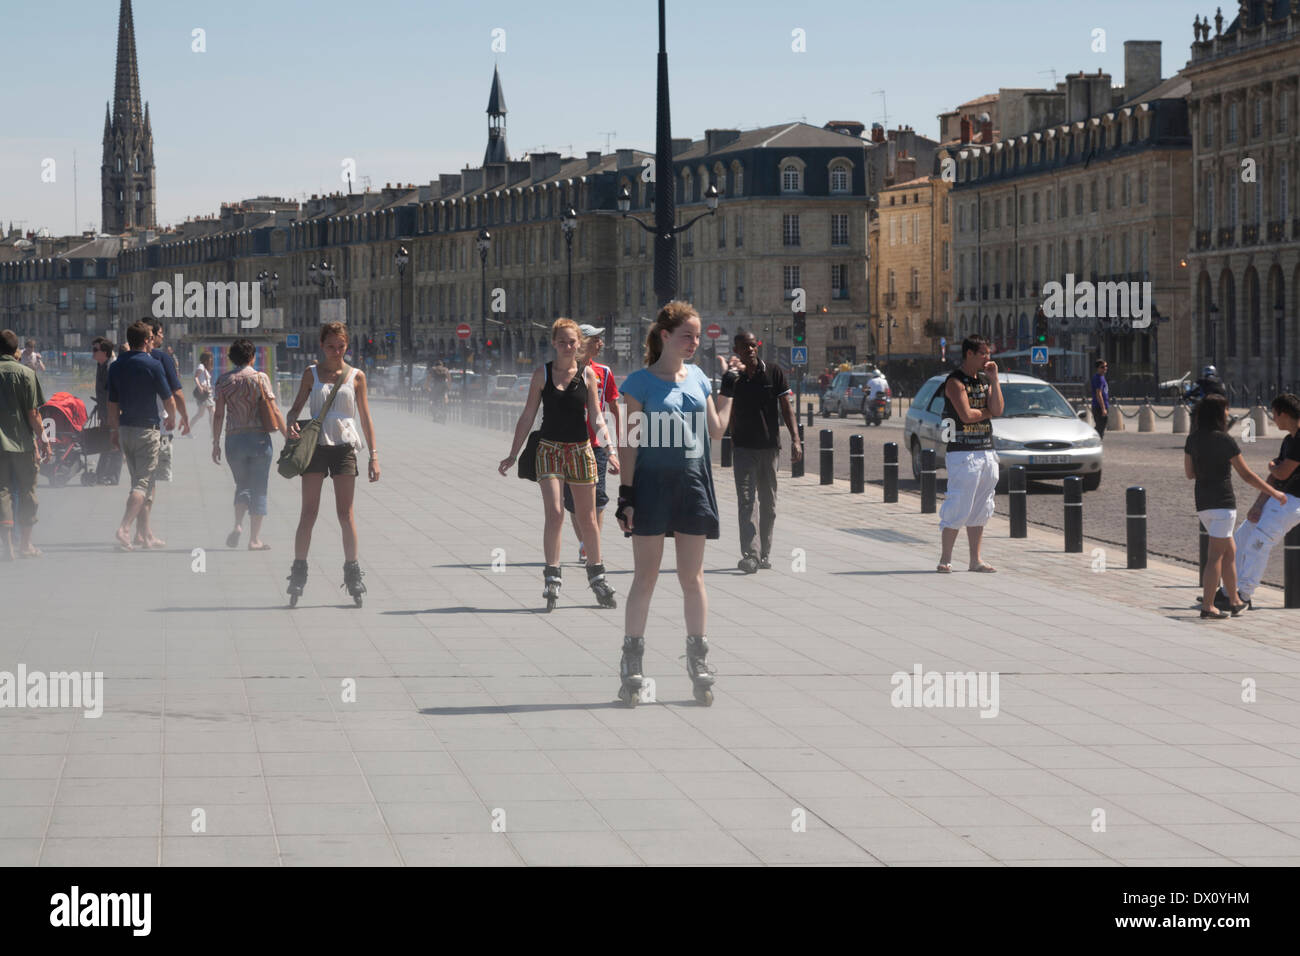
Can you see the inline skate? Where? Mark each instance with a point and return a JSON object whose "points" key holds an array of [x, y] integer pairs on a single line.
{"points": [[629, 670], [596, 581], [352, 575], [297, 581], [698, 669], [551, 581]]}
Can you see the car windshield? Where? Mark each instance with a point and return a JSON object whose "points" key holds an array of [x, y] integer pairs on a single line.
{"points": [[1034, 399]]}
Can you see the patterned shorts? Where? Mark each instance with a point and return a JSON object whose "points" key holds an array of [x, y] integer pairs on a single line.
{"points": [[574, 462]]}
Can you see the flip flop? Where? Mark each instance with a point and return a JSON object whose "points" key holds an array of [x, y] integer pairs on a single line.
{"points": [[38, 553], [232, 539], [260, 547], [944, 569], [984, 569]]}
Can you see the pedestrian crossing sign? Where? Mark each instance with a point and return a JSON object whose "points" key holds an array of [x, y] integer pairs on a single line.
{"points": [[799, 355], [1038, 355]]}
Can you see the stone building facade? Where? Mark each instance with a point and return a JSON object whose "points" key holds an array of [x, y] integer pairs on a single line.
{"points": [[1100, 196], [1244, 253]]}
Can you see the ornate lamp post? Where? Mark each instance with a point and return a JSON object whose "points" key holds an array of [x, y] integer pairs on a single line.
{"points": [[400, 259], [484, 244], [569, 223]]}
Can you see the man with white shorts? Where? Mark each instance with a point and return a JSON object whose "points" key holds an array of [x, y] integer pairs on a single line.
{"points": [[972, 398], [1268, 521]]}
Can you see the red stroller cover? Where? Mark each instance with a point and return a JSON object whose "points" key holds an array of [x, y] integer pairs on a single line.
{"points": [[69, 406]]}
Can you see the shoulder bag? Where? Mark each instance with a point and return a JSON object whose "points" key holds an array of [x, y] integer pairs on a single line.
{"points": [[272, 420], [528, 457], [297, 453]]}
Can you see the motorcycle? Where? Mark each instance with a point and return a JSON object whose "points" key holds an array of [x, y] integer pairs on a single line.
{"points": [[876, 410]]}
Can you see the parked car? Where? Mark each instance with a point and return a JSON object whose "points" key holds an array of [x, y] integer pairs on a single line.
{"points": [[846, 393], [1037, 429], [500, 387], [519, 390]]}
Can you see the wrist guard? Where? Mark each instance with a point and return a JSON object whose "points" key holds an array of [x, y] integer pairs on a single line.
{"points": [[729, 380], [626, 499]]}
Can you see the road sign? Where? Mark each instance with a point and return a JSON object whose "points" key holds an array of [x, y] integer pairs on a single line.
{"points": [[463, 331], [291, 341], [334, 310], [713, 331], [1038, 355], [943, 342], [799, 355]]}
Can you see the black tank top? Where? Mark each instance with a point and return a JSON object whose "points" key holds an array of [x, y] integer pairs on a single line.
{"points": [[977, 436], [564, 413]]}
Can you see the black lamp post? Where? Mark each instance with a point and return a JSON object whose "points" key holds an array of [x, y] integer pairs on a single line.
{"points": [[269, 282], [1278, 317], [484, 244], [664, 230], [400, 259], [889, 324], [569, 223]]}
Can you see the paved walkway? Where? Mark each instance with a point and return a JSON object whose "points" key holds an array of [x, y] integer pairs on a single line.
{"points": [[226, 737]]}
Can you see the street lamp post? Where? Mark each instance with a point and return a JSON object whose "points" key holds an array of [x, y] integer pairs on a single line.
{"points": [[569, 223], [484, 244], [1278, 314], [401, 258], [889, 324]]}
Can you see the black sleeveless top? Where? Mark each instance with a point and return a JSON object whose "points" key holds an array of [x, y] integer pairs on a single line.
{"points": [[564, 413], [977, 436]]}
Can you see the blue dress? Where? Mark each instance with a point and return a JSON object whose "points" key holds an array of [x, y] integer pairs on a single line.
{"points": [[673, 481]]}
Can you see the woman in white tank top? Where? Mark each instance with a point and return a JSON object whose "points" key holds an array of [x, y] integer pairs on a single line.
{"points": [[336, 453]]}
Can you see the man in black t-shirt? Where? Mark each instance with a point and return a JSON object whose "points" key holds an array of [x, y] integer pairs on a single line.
{"points": [[1267, 522], [759, 390]]}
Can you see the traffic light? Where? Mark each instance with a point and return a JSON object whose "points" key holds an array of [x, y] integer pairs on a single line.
{"points": [[800, 328], [489, 343], [1040, 328]]}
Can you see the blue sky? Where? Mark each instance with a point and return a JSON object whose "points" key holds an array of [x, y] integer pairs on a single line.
{"points": [[287, 89]]}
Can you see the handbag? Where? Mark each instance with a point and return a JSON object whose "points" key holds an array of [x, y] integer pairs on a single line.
{"points": [[528, 459], [272, 420], [295, 457]]}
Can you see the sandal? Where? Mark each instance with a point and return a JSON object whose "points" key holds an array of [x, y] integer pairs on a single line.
{"points": [[1215, 615], [259, 547], [232, 539], [1238, 608], [944, 568], [983, 568]]}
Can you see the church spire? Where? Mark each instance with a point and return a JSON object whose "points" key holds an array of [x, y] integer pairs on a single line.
{"points": [[496, 151], [126, 89]]}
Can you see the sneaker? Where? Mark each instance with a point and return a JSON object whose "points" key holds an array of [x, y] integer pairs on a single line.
{"points": [[748, 564], [582, 554], [765, 563]]}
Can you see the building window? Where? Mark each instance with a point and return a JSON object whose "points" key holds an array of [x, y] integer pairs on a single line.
{"points": [[1283, 187], [1209, 200], [1283, 109], [943, 214], [722, 232], [961, 218], [1257, 124], [1021, 211], [790, 179], [722, 285], [839, 179], [916, 227], [997, 215], [945, 255], [137, 162], [839, 229], [740, 284], [738, 174], [1078, 199], [1093, 196], [1232, 202], [1258, 212], [839, 281], [1110, 192], [1142, 188], [1051, 204], [627, 288], [642, 296], [791, 280], [1036, 207], [893, 230], [627, 242], [740, 237], [790, 230], [1232, 123]]}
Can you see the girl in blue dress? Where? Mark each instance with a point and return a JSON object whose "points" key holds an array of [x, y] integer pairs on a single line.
{"points": [[672, 417]]}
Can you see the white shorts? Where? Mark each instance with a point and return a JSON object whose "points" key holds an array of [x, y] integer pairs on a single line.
{"points": [[1218, 522], [972, 481]]}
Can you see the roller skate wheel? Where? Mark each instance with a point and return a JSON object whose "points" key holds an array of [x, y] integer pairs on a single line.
{"points": [[704, 696], [357, 598], [293, 600], [628, 697], [550, 605]]}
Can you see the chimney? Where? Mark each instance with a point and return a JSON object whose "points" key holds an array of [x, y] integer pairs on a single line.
{"points": [[681, 145], [877, 133], [905, 168], [986, 128], [625, 158], [593, 158], [965, 130], [718, 138], [1141, 67]]}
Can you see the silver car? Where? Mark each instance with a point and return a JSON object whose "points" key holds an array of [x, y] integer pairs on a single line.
{"points": [[1037, 429]]}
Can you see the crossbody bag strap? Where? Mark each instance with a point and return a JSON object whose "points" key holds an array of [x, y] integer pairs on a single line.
{"points": [[329, 402]]}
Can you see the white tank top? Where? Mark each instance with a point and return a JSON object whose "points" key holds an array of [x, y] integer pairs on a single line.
{"points": [[339, 427]]}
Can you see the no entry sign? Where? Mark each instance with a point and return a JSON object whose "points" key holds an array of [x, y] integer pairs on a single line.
{"points": [[713, 331], [462, 330]]}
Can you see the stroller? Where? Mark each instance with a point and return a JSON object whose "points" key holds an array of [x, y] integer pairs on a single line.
{"points": [[64, 418]]}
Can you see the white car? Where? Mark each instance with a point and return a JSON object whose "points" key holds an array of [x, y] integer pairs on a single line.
{"points": [[1037, 429]]}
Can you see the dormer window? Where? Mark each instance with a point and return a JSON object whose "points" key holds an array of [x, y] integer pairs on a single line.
{"points": [[791, 181]]}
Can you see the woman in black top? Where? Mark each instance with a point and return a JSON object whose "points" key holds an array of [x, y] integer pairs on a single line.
{"points": [[566, 389], [1209, 456]]}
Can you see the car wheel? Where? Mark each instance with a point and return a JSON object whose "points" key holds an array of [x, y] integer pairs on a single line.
{"points": [[1092, 482], [844, 412], [916, 459]]}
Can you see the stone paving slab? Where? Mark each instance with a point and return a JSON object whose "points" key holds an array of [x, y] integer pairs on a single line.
{"points": [[485, 732]]}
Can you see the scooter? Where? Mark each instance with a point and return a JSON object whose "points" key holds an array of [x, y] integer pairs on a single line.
{"points": [[876, 410]]}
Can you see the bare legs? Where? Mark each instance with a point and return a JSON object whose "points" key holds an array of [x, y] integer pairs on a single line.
{"points": [[1220, 563], [974, 536], [344, 492], [647, 554], [586, 520]]}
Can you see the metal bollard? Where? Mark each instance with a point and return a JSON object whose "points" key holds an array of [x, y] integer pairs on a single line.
{"points": [[810, 417], [1136, 507], [1204, 547], [857, 465], [726, 451], [891, 472], [1073, 515], [828, 456], [796, 467], [928, 468], [1017, 502], [1180, 419], [1291, 567]]}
